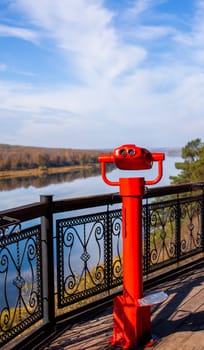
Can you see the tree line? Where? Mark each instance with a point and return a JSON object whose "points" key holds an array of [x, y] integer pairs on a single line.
{"points": [[27, 157]]}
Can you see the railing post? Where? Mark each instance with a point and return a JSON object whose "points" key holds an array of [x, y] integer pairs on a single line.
{"points": [[146, 238], [202, 220], [47, 262], [178, 230], [108, 251]]}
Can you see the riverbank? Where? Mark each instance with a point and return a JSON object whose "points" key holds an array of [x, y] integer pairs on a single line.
{"points": [[41, 171]]}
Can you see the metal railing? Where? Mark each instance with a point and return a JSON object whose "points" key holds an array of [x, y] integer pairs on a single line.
{"points": [[57, 256]]}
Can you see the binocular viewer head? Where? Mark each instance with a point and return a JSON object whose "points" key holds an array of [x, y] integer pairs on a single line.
{"points": [[131, 157]]}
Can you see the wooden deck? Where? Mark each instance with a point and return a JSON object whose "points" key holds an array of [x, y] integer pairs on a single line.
{"points": [[178, 322]]}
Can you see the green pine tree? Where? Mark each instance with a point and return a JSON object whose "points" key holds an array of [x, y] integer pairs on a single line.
{"points": [[192, 168]]}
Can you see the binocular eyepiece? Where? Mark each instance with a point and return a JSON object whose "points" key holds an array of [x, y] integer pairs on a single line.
{"points": [[130, 151]]}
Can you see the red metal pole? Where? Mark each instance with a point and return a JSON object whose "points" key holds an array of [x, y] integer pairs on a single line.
{"points": [[132, 326], [131, 190]]}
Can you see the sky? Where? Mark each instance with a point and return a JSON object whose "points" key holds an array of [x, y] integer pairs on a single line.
{"points": [[101, 73]]}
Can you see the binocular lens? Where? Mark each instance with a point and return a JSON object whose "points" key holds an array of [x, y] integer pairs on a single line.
{"points": [[131, 152], [122, 152]]}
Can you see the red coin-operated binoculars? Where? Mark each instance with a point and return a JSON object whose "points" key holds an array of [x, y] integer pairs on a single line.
{"points": [[132, 310]]}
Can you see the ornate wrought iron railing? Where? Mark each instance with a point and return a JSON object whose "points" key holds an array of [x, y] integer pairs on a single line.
{"points": [[89, 256], [20, 271], [53, 262], [173, 231]]}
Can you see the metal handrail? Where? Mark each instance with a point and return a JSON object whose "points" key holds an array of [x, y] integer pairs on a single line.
{"points": [[173, 232]]}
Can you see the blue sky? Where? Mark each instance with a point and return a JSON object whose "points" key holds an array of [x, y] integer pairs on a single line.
{"points": [[101, 73]]}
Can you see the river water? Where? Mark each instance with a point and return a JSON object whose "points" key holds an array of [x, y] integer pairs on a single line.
{"points": [[14, 193]]}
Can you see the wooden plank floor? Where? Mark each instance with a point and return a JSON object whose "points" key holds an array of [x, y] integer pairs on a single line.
{"points": [[178, 322]]}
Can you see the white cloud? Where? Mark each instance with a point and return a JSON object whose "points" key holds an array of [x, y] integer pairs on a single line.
{"points": [[18, 32], [193, 39], [152, 32], [135, 111], [84, 29], [144, 90], [140, 6]]}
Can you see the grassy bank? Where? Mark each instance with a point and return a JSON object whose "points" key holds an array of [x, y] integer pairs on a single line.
{"points": [[44, 171]]}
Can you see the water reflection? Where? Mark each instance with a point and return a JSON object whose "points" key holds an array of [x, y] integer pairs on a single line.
{"points": [[21, 191], [48, 179], [7, 184]]}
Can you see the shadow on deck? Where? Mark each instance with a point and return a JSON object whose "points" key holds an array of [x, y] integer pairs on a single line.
{"points": [[178, 322]]}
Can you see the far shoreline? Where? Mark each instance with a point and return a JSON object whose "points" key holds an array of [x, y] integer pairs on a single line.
{"points": [[41, 171]]}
